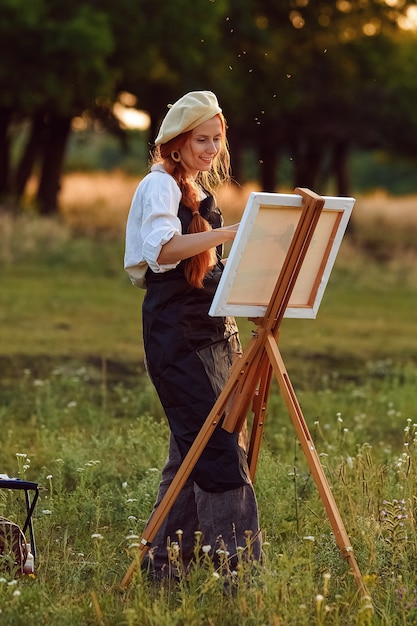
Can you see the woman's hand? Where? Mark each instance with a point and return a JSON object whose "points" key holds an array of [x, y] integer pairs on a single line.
{"points": [[230, 230], [184, 246]]}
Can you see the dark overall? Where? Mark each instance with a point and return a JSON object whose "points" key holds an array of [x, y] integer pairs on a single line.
{"points": [[188, 355]]}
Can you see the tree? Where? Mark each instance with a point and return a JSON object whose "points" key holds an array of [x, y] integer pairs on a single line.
{"points": [[296, 79], [165, 49], [307, 73], [53, 74]]}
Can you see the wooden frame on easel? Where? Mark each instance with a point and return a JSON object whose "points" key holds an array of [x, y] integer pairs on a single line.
{"points": [[248, 388]]}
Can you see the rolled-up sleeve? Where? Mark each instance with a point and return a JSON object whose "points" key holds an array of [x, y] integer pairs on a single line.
{"points": [[160, 224], [152, 222]]}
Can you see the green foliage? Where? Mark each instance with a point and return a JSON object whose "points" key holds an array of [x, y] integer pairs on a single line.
{"points": [[57, 56], [90, 151], [305, 82], [382, 170]]}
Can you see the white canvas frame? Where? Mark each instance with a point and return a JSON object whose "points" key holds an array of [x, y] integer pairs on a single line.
{"points": [[259, 250]]}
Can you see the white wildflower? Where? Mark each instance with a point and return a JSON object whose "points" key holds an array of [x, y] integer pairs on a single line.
{"points": [[97, 536]]}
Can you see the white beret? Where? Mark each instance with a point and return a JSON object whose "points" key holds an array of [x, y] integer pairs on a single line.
{"points": [[190, 111]]}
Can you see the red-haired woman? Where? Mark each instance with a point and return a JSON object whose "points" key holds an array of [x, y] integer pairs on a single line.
{"points": [[174, 244]]}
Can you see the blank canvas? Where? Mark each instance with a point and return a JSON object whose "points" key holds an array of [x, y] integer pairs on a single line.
{"points": [[260, 248]]}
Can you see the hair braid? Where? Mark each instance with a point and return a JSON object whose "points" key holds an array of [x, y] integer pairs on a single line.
{"points": [[196, 267]]}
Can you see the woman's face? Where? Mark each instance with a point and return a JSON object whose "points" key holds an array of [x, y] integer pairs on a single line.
{"points": [[202, 145]]}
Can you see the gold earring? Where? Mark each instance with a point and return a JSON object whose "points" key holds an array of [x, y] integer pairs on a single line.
{"points": [[175, 156]]}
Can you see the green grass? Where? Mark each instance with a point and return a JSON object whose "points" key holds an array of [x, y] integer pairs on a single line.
{"points": [[79, 416]]}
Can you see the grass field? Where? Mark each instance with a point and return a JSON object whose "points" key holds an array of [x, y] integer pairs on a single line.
{"points": [[79, 417]]}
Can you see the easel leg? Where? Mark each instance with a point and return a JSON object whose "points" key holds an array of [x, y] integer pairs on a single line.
{"points": [[313, 460], [259, 409]]}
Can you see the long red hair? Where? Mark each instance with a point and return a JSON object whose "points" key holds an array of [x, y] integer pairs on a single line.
{"points": [[196, 267]]}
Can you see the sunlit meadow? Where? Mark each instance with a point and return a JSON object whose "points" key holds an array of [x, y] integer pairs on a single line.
{"points": [[79, 417]]}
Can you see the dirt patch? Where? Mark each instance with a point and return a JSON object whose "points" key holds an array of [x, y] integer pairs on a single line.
{"points": [[19, 366]]}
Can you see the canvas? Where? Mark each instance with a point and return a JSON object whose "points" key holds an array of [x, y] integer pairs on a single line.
{"points": [[261, 246]]}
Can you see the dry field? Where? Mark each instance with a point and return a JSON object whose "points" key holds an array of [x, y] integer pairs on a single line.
{"points": [[99, 202]]}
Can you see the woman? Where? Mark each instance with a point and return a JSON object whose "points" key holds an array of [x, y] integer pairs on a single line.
{"points": [[174, 243]]}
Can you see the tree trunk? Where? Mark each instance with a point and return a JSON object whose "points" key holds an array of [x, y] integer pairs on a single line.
{"points": [[32, 150], [5, 117], [308, 159], [340, 167], [58, 129]]}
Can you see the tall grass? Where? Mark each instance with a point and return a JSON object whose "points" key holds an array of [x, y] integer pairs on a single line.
{"points": [[97, 453], [92, 434]]}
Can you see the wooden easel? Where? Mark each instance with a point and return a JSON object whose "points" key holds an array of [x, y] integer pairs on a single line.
{"points": [[248, 387]]}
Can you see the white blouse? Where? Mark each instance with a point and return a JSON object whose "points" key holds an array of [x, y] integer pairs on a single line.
{"points": [[152, 221]]}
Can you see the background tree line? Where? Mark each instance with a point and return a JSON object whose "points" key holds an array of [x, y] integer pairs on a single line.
{"points": [[307, 80]]}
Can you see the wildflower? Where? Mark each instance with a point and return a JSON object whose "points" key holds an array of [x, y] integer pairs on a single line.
{"points": [[16, 593], [124, 485], [132, 518], [97, 536], [49, 477], [92, 463], [309, 538], [220, 552], [47, 512], [326, 579], [206, 549], [216, 575]]}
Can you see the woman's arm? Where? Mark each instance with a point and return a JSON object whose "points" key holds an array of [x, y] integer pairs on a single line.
{"points": [[181, 247]]}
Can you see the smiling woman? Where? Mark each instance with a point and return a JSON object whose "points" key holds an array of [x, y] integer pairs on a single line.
{"points": [[174, 248]]}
